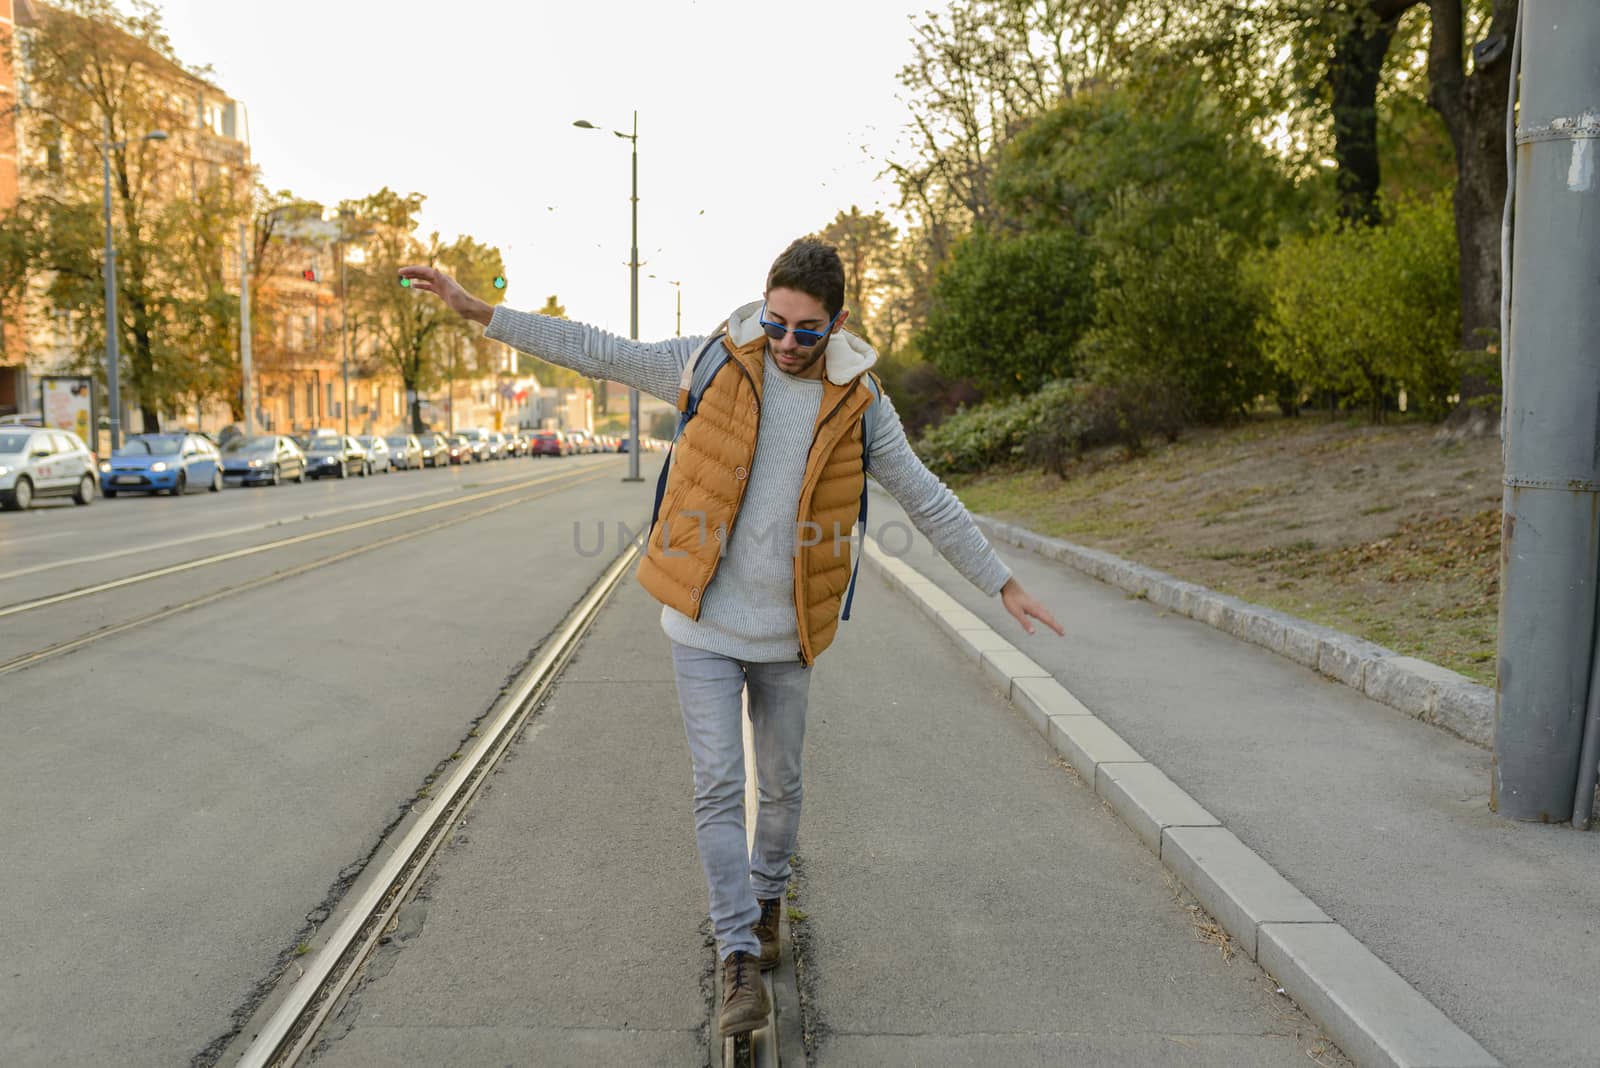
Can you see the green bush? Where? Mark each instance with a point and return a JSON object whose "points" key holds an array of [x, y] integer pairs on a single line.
{"points": [[1178, 329], [1006, 312], [1097, 414], [989, 435], [1369, 311], [1047, 428]]}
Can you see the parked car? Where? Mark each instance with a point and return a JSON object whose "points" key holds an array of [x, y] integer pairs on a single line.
{"points": [[35, 462], [264, 460], [405, 451], [462, 450], [337, 457], [547, 443], [162, 463], [435, 449], [378, 458], [479, 440], [306, 440]]}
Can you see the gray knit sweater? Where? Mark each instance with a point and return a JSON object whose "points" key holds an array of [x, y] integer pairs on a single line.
{"points": [[748, 611]]}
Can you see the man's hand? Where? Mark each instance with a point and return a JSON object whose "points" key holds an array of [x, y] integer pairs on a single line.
{"points": [[1021, 605], [458, 300]]}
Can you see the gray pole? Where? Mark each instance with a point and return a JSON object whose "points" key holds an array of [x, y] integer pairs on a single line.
{"points": [[244, 331], [1550, 541], [113, 395], [633, 316], [344, 333]]}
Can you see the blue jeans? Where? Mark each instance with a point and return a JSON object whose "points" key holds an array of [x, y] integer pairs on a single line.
{"points": [[709, 689]]}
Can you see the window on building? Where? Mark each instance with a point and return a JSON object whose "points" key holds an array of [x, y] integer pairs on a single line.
{"points": [[311, 400]]}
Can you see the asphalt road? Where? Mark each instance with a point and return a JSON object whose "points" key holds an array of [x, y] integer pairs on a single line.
{"points": [[182, 797]]}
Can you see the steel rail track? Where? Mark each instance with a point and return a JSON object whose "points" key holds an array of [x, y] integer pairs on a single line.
{"points": [[253, 550], [293, 1025], [72, 644]]}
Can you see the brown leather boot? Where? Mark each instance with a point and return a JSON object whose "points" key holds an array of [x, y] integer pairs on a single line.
{"points": [[767, 932], [745, 1005]]}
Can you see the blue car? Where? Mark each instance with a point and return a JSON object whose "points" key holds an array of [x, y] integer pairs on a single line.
{"points": [[162, 463]]}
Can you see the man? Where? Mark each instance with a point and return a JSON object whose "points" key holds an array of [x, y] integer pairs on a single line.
{"points": [[771, 462]]}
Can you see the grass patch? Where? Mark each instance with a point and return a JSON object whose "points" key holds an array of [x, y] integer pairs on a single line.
{"points": [[1406, 527]]}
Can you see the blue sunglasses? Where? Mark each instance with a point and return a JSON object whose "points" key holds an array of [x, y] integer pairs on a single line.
{"points": [[804, 338]]}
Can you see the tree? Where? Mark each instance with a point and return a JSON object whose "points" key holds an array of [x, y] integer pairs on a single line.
{"points": [[286, 235], [420, 340], [18, 233], [1130, 166], [1368, 311], [1340, 41], [1180, 323], [1008, 311], [95, 66], [200, 238], [867, 244]]}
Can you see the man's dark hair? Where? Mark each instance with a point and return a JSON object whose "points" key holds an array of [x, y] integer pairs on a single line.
{"points": [[811, 267]]}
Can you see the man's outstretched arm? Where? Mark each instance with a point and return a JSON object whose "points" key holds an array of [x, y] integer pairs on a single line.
{"points": [[653, 368], [941, 516]]}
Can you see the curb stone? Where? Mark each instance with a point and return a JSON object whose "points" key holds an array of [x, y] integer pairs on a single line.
{"points": [[1421, 690], [1375, 1016]]}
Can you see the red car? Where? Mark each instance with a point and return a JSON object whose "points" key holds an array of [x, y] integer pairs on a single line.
{"points": [[547, 443]]}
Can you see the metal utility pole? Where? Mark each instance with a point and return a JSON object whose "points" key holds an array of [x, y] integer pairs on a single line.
{"points": [[244, 331], [633, 292], [344, 330], [633, 314], [450, 399], [1551, 526], [113, 396], [677, 330]]}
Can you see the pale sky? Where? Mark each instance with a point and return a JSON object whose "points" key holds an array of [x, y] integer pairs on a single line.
{"points": [[768, 119]]}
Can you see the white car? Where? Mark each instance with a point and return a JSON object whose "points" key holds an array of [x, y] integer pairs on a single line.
{"points": [[37, 462]]}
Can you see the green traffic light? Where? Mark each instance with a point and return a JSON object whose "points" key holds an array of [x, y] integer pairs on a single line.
{"points": [[499, 282], [405, 283]]}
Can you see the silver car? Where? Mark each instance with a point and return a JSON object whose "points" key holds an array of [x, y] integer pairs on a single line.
{"points": [[405, 451], [378, 458], [39, 462]]}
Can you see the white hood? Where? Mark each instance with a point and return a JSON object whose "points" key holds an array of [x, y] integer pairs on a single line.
{"points": [[847, 354]]}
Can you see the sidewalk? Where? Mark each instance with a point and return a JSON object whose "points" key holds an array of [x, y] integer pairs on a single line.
{"points": [[564, 924], [966, 901], [1381, 820]]}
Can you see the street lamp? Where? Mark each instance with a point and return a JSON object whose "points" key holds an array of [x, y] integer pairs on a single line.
{"points": [[113, 398], [633, 294]]}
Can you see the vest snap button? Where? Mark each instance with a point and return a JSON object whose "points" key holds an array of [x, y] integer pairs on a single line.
{"points": [[694, 594], [739, 472]]}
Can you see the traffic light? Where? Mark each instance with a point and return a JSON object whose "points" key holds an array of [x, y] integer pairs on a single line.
{"points": [[499, 281], [310, 274]]}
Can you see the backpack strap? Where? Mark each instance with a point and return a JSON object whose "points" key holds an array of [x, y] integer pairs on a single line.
{"points": [[867, 424], [697, 375]]}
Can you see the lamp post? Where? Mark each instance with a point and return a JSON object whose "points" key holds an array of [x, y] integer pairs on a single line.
{"points": [[113, 396], [633, 294]]}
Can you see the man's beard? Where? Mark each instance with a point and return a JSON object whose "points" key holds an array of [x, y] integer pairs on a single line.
{"points": [[811, 357]]}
